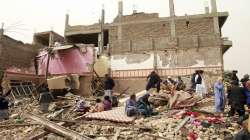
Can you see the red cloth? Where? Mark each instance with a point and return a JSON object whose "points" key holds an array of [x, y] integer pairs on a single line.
{"points": [[192, 136], [194, 114]]}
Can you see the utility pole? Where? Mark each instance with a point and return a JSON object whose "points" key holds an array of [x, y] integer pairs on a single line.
{"points": [[1, 31]]}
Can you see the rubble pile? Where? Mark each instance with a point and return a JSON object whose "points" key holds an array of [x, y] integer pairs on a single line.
{"points": [[193, 122]]}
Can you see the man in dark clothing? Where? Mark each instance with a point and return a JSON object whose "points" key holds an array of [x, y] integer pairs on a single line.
{"points": [[45, 99], [244, 80], [143, 106], [237, 99], [234, 77], [109, 84], [196, 78], [4, 106], [154, 81]]}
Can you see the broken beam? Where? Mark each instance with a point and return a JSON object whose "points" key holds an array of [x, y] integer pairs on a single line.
{"points": [[17, 125], [57, 129]]}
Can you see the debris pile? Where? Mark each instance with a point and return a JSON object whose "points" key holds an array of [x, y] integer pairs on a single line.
{"points": [[181, 116]]}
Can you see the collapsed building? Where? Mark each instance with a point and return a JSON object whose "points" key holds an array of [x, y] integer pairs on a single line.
{"points": [[17, 65], [139, 43]]}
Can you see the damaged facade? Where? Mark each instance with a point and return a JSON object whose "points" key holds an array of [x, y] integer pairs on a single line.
{"points": [[17, 64], [142, 42]]}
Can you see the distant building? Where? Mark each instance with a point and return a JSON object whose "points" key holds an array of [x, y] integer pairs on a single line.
{"points": [[141, 42]]}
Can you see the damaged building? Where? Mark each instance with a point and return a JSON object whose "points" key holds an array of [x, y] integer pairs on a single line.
{"points": [[17, 65], [141, 42]]}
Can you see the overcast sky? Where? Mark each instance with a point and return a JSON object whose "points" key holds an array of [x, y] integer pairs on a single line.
{"points": [[24, 17]]}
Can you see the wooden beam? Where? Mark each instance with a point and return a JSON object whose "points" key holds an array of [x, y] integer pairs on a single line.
{"points": [[17, 125], [44, 133], [57, 129]]}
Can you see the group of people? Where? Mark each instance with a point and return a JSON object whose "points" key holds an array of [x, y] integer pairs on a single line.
{"points": [[108, 102], [238, 95], [154, 81], [141, 106]]}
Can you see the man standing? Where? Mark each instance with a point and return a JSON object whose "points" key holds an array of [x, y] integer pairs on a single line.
{"points": [[154, 81], [45, 99], [4, 106], [237, 99], [193, 79], [234, 77], [109, 84], [244, 80], [219, 96]]}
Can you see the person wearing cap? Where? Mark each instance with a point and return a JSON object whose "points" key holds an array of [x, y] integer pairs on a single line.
{"points": [[237, 99], [219, 95], [244, 80]]}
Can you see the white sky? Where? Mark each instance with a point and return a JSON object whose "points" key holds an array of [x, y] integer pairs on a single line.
{"points": [[24, 17]]}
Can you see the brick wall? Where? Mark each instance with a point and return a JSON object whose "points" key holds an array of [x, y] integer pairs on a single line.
{"points": [[137, 17], [139, 36], [196, 26], [16, 54]]}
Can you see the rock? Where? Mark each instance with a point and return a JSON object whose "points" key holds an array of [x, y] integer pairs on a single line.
{"points": [[14, 116]]}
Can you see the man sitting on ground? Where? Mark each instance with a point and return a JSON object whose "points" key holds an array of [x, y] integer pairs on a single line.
{"points": [[144, 107], [81, 106], [107, 103], [130, 107], [99, 107]]}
